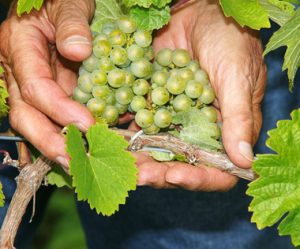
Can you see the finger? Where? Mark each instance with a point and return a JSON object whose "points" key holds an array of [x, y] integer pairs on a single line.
{"points": [[71, 20], [200, 178]]}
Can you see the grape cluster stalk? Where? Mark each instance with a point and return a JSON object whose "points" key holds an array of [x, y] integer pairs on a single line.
{"points": [[124, 75]]}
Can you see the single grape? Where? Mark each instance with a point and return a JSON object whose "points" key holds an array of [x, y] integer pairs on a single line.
{"points": [[138, 103], [140, 87], [160, 78], [141, 68], [124, 95], [149, 53], [143, 38], [176, 85], [129, 79], [126, 24], [111, 99], [108, 27], [151, 130], [101, 92], [201, 76], [164, 57], [210, 113], [162, 118], [117, 38], [121, 108], [181, 57], [99, 37], [81, 96], [160, 96], [182, 103], [106, 64], [194, 66], [101, 48], [157, 67], [85, 83], [216, 130], [116, 77], [193, 89], [111, 115], [186, 74], [208, 95], [91, 63], [144, 118], [135, 52], [99, 77], [96, 106], [118, 56]]}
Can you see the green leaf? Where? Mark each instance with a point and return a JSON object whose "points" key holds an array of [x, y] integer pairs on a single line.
{"points": [[288, 35], [147, 3], [2, 197], [152, 18], [247, 13], [28, 5], [3, 97], [57, 176], [105, 173], [106, 11], [162, 156], [198, 130], [277, 190], [278, 11]]}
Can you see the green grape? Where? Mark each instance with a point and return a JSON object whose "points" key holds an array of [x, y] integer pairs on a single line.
{"points": [[99, 77], [157, 67], [99, 37], [138, 103], [174, 72], [144, 118], [141, 68], [82, 71], [210, 113], [186, 74], [160, 78], [106, 64], [149, 53], [201, 75], [176, 85], [81, 96], [181, 57], [193, 89], [85, 83], [124, 95], [101, 48], [151, 130], [160, 96], [96, 106], [143, 38], [91, 63], [111, 115], [162, 118], [121, 108], [111, 99], [126, 25], [153, 86], [140, 87], [129, 79], [208, 95], [116, 77], [194, 66], [118, 56], [135, 52], [117, 38], [101, 92], [182, 103], [217, 131], [108, 27], [164, 57]]}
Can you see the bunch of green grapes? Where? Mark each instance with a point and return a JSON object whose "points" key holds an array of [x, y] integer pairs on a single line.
{"points": [[123, 76]]}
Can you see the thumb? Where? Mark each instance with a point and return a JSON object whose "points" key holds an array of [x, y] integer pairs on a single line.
{"points": [[71, 21]]}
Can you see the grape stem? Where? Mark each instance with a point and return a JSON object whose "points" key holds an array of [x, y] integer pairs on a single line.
{"points": [[194, 155]]}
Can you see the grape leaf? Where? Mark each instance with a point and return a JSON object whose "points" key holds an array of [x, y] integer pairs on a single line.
{"points": [[247, 13], [28, 5], [277, 190], [57, 176], [146, 3], [197, 129], [2, 197], [152, 18], [3, 97], [105, 173], [288, 35]]}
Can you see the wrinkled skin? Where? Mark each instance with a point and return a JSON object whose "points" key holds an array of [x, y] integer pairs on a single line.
{"points": [[37, 51]]}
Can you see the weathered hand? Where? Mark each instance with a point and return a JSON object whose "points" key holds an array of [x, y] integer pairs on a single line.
{"points": [[38, 51], [232, 56]]}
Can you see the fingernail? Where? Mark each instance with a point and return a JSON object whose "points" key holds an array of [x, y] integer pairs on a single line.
{"points": [[77, 40], [63, 161], [246, 151]]}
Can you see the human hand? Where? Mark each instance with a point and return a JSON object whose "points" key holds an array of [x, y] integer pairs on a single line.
{"points": [[232, 57], [38, 51]]}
